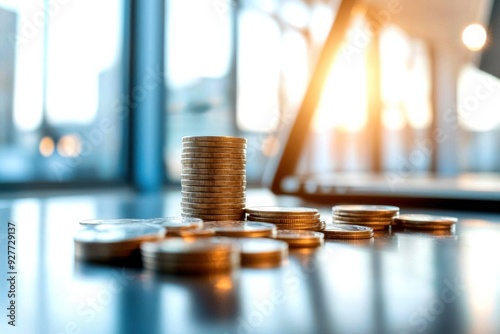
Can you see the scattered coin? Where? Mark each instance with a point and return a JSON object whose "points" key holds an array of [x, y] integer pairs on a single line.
{"points": [[241, 229], [285, 218], [378, 217], [174, 225], [197, 256], [344, 231], [422, 221], [298, 239], [114, 243], [262, 253]]}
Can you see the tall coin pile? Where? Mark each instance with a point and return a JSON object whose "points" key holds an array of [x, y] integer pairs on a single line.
{"points": [[287, 218], [378, 217], [213, 177]]}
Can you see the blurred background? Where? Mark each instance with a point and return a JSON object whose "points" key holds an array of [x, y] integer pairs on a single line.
{"points": [[101, 92]]}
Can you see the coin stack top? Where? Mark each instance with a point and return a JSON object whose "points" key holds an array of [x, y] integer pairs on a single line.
{"points": [[213, 178], [378, 217], [287, 218]]}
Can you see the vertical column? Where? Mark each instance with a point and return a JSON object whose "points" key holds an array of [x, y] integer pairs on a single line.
{"points": [[147, 94]]}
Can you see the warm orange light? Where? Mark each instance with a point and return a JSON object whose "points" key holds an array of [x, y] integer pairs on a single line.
{"points": [[69, 146], [474, 37], [46, 146]]}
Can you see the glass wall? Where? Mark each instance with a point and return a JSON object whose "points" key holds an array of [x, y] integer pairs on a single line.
{"points": [[61, 80]]}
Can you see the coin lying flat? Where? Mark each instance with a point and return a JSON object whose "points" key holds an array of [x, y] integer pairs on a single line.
{"points": [[214, 206], [192, 234], [378, 217], [213, 171], [299, 239], [213, 189], [241, 229], [214, 139], [111, 221], [228, 195], [212, 211], [278, 220], [280, 211], [201, 150], [262, 253], [198, 256], [177, 224], [366, 209], [114, 243], [212, 200], [196, 144], [423, 221], [214, 177], [213, 217], [212, 156], [344, 231]]}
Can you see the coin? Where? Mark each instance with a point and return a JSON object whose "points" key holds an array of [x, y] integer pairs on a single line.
{"points": [[197, 256], [262, 253], [423, 220], [205, 149], [216, 171], [298, 239], [285, 221], [213, 177], [213, 211], [214, 156], [208, 189], [214, 144], [366, 209], [281, 211], [111, 221], [175, 224], [191, 234], [238, 163], [213, 217], [114, 243], [215, 165], [239, 228], [214, 139], [362, 219], [219, 206], [196, 194], [343, 231], [374, 225], [213, 200]]}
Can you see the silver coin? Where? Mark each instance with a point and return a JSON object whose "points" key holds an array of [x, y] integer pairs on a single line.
{"points": [[107, 233], [422, 219], [177, 223], [239, 228]]}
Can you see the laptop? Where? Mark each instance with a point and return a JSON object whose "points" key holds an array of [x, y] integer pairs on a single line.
{"points": [[438, 188]]}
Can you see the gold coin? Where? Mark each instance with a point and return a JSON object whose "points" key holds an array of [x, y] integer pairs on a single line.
{"points": [[213, 156], [214, 171], [214, 139]]}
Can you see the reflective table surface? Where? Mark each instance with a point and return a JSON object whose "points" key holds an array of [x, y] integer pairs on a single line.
{"points": [[399, 282]]}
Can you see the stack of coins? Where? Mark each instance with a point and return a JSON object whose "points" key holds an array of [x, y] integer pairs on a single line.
{"points": [[213, 177], [287, 218], [262, 253], [116, 243], [242, 229], [427, 222], [199, 256], [378, 217], [177, 225], [301, 239], [344, 231]]}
